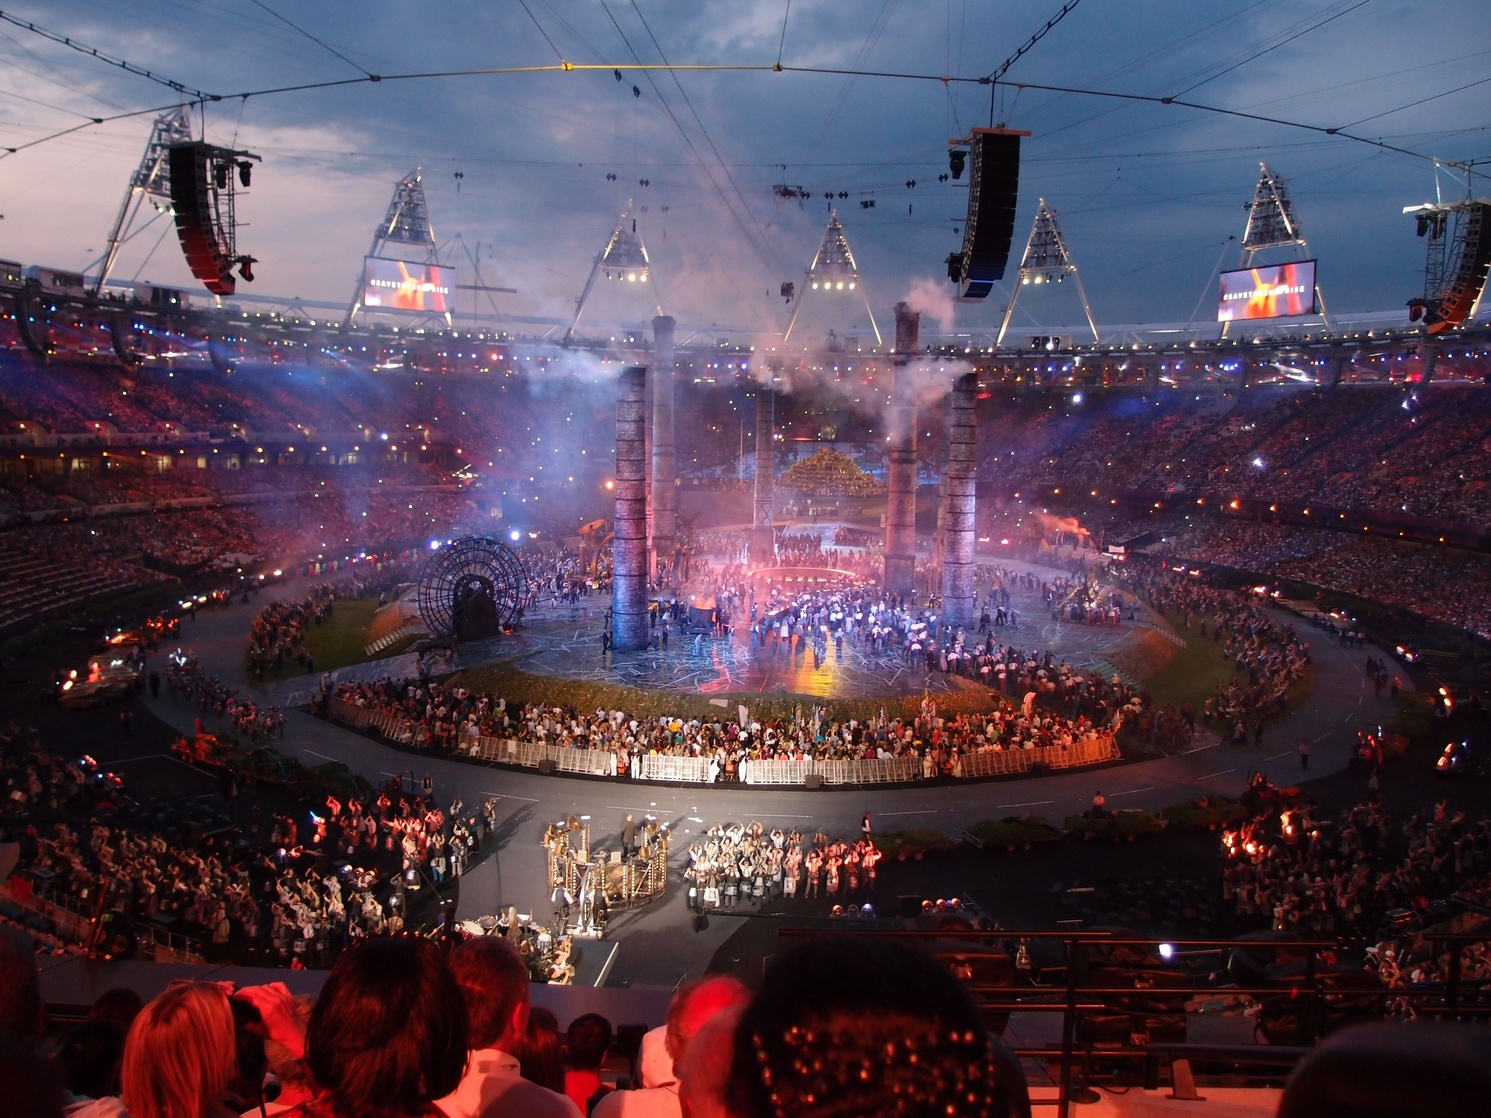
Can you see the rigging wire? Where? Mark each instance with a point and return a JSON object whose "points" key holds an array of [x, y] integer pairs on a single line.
{"points": [[301, 30], [783, 43], [1275, 46], [1003, 67], [94, 52], [646, 68], [745, 204], [1421, 101], [541, 30], [877, 28], [687, 139]]}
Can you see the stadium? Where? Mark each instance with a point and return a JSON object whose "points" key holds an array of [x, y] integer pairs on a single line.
{"points": [[716, 599]]}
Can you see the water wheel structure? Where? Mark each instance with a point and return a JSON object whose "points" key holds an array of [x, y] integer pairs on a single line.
{"points": [[472, 588]]}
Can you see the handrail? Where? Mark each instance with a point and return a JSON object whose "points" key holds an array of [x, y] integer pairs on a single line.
{"points": [[1313, 998]]}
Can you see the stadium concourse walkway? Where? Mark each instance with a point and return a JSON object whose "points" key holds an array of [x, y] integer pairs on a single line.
{"points": [[659, 944]]}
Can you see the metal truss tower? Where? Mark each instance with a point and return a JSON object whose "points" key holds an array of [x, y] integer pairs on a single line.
{"points": [[407, 225], [1047, 260], [1272, 224], [625, 260], [152, 179], [833, 270]]}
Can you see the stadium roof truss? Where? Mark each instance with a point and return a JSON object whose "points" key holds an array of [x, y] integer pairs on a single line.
{"points": [[1047, 260], [625, 260], [407, 227], [833, 270], [1272, 224]]}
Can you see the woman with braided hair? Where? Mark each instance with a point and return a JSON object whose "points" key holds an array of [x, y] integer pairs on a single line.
{"points": [[847, 1026]]}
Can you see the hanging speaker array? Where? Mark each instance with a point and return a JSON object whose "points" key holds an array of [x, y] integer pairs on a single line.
{"points": [[1465, 278], [993, 191], [205, 182]]}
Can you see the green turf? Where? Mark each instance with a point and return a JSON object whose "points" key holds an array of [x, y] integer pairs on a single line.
{"points": [[341, 641], [1198, 670], [1193, 675]]}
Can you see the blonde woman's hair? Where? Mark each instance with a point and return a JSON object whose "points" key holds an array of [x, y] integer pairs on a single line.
{"points": [[180, 1055]]}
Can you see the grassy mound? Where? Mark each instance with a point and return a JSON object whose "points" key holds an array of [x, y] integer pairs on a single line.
{"points": [[1209, 813], [1015, 832], [914, 844], [508, 679]]}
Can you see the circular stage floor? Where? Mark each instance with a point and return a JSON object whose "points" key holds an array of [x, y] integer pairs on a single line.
{"points": [[565, 641]]}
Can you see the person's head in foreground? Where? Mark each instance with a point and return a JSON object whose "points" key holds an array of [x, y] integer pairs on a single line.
{"points": [[388, 1034], [854, 1026], [181, 1055]]}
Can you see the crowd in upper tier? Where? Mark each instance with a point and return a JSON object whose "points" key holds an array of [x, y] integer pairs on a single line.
{"points": [[1418, 451], [1424, 452], [1440, 583]]}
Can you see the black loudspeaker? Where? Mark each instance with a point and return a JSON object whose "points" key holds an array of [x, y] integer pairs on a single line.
{"points": [[908, 906], [993, 189], [119, 337], [546, 767], [196, 217], [813, 782], [1457, 298]]}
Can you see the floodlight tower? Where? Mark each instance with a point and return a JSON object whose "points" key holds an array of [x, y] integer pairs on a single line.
{"points": [[152, 179], [625, 260], [1047, 260], [1272, 224], [833, 270], [407, 224]]}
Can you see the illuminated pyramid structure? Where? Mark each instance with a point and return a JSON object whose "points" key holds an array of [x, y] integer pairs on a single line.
{"points": [[1272, 224], [624, 260], [405, 233], [152, 179], [1047, 260], [833, 272]]}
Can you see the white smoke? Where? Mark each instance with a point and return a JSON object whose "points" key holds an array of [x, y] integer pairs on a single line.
{"points": [[930, 299], [545, 365], [923, 384]]}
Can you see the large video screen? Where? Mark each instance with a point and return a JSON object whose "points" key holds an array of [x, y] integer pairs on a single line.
{"points": [[1277, 291], [402, 285]]}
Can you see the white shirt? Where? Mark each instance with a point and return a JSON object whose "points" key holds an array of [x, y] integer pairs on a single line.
{"points": [[494, 1087], [648, 1102]]}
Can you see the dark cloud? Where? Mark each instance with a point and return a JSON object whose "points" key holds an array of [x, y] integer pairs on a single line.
{"points": [[1147, 193]]}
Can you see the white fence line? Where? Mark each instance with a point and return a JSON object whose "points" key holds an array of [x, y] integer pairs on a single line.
{"points": [[696, 770]]}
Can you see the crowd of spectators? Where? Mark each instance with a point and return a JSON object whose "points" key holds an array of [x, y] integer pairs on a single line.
{"points": [[736, 864], [402, 1029], [1438, 583], [290, 887], [1268, 658], [1348, 877], [1045, 704], [1423, 450]]}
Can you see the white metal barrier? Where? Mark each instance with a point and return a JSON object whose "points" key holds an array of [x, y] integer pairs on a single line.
{"points": [[600, 762], [658, 766], [774, 772]]}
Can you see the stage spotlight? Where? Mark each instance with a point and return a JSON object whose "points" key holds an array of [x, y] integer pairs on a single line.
{"points": [[221, 171], [956, 159], [246, 172], [246, 268]]}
